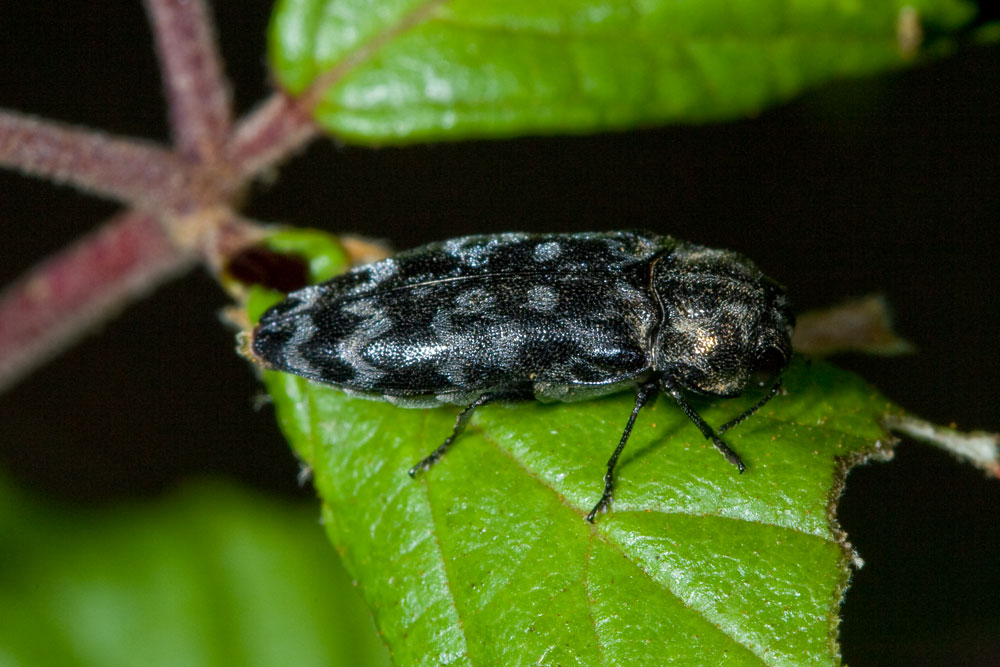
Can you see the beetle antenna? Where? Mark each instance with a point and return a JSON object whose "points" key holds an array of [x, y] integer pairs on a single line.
{"points": [[756, 406]]}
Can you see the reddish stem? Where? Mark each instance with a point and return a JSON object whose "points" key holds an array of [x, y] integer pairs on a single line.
{"points": [[184, 197], [268, 134], [62, 297], [127, 170], [196, 88]]}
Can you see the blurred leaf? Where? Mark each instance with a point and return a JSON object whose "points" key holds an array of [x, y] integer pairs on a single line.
{"points": [[212, 576], [415, 70], [486, 559]]}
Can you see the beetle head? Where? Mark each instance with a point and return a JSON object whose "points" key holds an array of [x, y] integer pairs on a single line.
{"points": [[725, 325]]}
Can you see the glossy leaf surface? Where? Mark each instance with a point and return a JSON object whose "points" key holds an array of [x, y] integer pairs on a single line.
{"points": [[415, 70], [486, 559]]}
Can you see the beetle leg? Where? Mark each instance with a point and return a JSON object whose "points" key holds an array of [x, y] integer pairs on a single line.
{"points": [[643, 393], [460, 422], [757, 406], [705, 429]]}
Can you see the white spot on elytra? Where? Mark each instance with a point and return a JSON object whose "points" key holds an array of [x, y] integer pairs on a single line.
{"points": [[382, 271], [474, 300], [548, 251], [475, 256], [293, 355], [542, 298], [441, 325]]}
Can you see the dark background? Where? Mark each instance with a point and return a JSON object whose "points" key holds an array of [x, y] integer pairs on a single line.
{"points": [[889, 184]]}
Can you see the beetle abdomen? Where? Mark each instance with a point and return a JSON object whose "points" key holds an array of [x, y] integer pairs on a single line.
{"points": [[557, 336]]}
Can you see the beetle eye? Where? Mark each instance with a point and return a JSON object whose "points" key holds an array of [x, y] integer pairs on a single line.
{"points": [[769, 365]]}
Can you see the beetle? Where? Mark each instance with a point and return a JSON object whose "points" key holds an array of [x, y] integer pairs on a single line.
{"points": [[552, 317]]}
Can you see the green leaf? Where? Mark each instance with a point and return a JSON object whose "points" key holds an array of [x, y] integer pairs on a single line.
{"points": [[415, 70], [486, 559], [212, 576]]}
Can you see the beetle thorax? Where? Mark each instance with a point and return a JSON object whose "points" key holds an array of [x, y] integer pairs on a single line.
{"points": [[720, 323]]}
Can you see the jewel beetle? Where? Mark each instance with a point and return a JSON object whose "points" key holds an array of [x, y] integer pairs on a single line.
{"points": [[550, 317]]}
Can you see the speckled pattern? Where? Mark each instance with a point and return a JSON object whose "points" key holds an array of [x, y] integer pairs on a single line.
{"points": [[556, 317], [550, 316]]}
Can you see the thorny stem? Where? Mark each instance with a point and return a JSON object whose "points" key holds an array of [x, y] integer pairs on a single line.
{"points": [[182, 200]]}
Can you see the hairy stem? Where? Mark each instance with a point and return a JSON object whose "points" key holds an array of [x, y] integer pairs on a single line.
{"points": [[268, 135], [61, 298], [126, 170], [195, 85], [183, 199]]}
